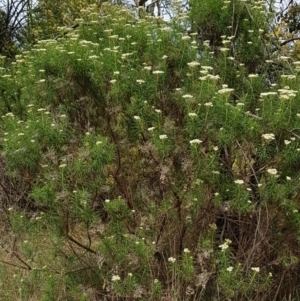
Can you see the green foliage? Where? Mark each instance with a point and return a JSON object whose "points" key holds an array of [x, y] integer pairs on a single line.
{"points": [[143, 163]]}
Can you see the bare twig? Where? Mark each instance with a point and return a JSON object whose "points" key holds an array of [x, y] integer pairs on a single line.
{"points": [[80, 244], [14, 265], [289, 41], [13, 253], [253, 116]]}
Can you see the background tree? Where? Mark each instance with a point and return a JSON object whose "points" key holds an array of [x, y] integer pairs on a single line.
{"points": [[287, 29], [49, 16], [15, 16]]}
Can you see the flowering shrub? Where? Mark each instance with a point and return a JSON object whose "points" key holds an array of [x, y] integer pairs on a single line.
{"points": [[144, 163]]}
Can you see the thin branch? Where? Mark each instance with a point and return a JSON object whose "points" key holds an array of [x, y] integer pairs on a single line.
{"points": [[14, 265], [289, 41], [249, 13], [142, 2], [80, 244], [253, 116], [13, 253], [291, 132]]}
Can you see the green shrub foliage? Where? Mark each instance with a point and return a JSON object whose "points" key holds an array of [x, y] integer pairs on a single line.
{"points": [[145, 159]]}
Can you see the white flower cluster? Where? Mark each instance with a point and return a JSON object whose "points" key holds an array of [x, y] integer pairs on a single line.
{"points": [[195, 141], [225, 245], [272, 171], [286, 93], [265, 94], [253, 75], [268, 136], [187, 96], [288, 76], [163, 137], [239, 182], [158, 72], [225, 90], [115, 278], [229, 269], [193, 64], [171, 259]]}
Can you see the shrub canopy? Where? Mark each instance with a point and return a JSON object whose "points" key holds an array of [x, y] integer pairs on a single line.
{"points": [[146, 159]]}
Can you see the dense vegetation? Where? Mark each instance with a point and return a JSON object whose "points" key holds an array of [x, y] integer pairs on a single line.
{"points": [[144, 159]]}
